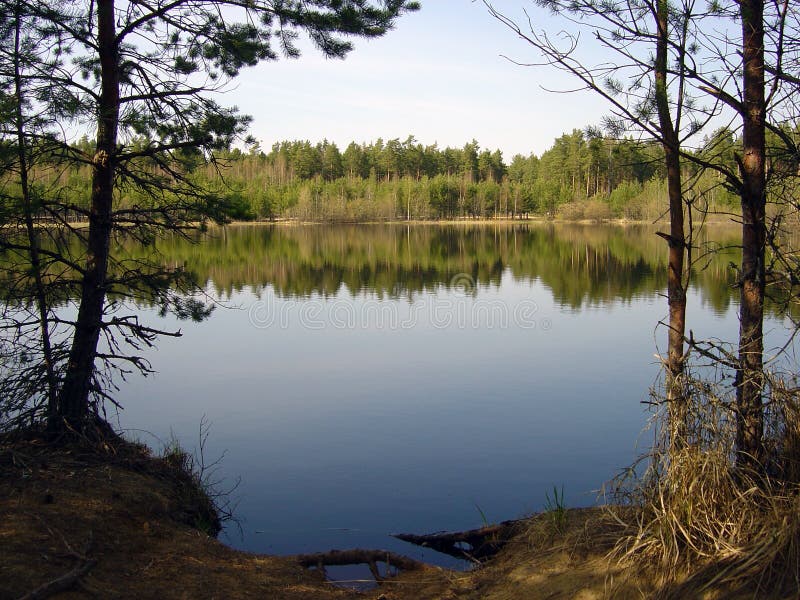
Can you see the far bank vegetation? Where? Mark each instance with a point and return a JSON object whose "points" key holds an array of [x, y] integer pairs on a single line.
{"points": [[583, 176]]}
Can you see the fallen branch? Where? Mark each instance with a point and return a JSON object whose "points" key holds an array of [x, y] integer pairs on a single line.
{"points": [[337, 558], [61, 584], [482, 543]]}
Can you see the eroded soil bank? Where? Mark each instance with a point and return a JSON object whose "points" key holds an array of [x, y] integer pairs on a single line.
{"points": [[75, 523]]}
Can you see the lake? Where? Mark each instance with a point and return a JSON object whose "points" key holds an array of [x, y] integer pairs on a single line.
{"points": [[365, 380]]}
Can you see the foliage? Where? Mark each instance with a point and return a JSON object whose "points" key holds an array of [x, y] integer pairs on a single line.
{"points": [[716, 526], [716, 490], [425, 182], [143, 81], [555, 509]]}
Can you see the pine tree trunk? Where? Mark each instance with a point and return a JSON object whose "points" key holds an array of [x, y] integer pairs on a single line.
{"points": [[676, 294], [676, 400], [750, 421], [73, 400]]}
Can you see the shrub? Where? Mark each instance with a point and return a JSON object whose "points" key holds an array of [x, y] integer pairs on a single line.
{"points": [[597, 210], [571, 211]]}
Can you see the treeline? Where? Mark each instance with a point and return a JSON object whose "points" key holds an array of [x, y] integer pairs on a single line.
{"points": [[582, 176]]}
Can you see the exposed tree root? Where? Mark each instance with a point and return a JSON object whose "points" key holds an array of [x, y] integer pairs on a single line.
{"points": [[61, 584], [475, 545], [371, 558]]}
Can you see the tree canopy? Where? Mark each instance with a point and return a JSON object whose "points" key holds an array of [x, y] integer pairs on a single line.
{"points": [[142, 79]]}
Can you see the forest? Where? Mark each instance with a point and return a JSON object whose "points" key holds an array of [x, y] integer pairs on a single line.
{"points": [[702, 122], [584, 175]]}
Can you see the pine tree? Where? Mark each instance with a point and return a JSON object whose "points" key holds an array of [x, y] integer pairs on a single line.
{"points": [[148, 72]]}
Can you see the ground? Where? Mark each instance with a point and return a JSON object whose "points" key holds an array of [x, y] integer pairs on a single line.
{"points": [[126, 513], [127, 520]]}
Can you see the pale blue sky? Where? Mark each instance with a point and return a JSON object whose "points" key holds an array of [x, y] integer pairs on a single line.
{"points": [[438, 76]]}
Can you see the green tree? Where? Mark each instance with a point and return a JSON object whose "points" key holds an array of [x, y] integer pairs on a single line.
{"points": [[306, 160], [469, 160], [391, 158], [354, 161], [485, 170], [444, 194], [413, 157], [332, 167], [25, 146], [138, 70]]}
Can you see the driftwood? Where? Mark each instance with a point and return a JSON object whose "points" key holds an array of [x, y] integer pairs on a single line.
{"points": [[61, 584], [337, 558], [475, 544]]}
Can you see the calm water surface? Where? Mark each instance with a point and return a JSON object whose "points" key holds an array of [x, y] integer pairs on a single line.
{"points": [[377, 379]]}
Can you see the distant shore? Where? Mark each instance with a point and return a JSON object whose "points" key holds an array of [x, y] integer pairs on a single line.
{"points": [[717, 221], [537, 220]]}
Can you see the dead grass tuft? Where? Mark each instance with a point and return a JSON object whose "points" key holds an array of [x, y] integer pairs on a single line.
{"points": [[702, 526]]}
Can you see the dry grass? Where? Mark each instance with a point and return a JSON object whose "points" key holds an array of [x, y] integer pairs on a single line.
{"points": [[706, 529], [570, 560]]}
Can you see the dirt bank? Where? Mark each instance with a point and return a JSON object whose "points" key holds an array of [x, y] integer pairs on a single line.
{"points": [[76, 523]]}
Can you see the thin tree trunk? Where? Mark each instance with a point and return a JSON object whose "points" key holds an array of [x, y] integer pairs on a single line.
{"points": [[33, 237], [676, 400], [750, 420], [74, 396], [408, 203]]}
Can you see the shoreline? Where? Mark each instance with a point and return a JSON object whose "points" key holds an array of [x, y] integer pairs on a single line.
{"points": [[465, 222], [504, 221], [118, 521]]}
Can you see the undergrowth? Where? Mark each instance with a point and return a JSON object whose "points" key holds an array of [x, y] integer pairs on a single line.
{"points": [[205, 504], [703, 526]]}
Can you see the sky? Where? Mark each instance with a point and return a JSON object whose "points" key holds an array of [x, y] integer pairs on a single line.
{"points": [[440, 76]]}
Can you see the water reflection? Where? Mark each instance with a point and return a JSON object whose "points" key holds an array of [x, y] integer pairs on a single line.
{"points": [[347, 431], [581, 265]]}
